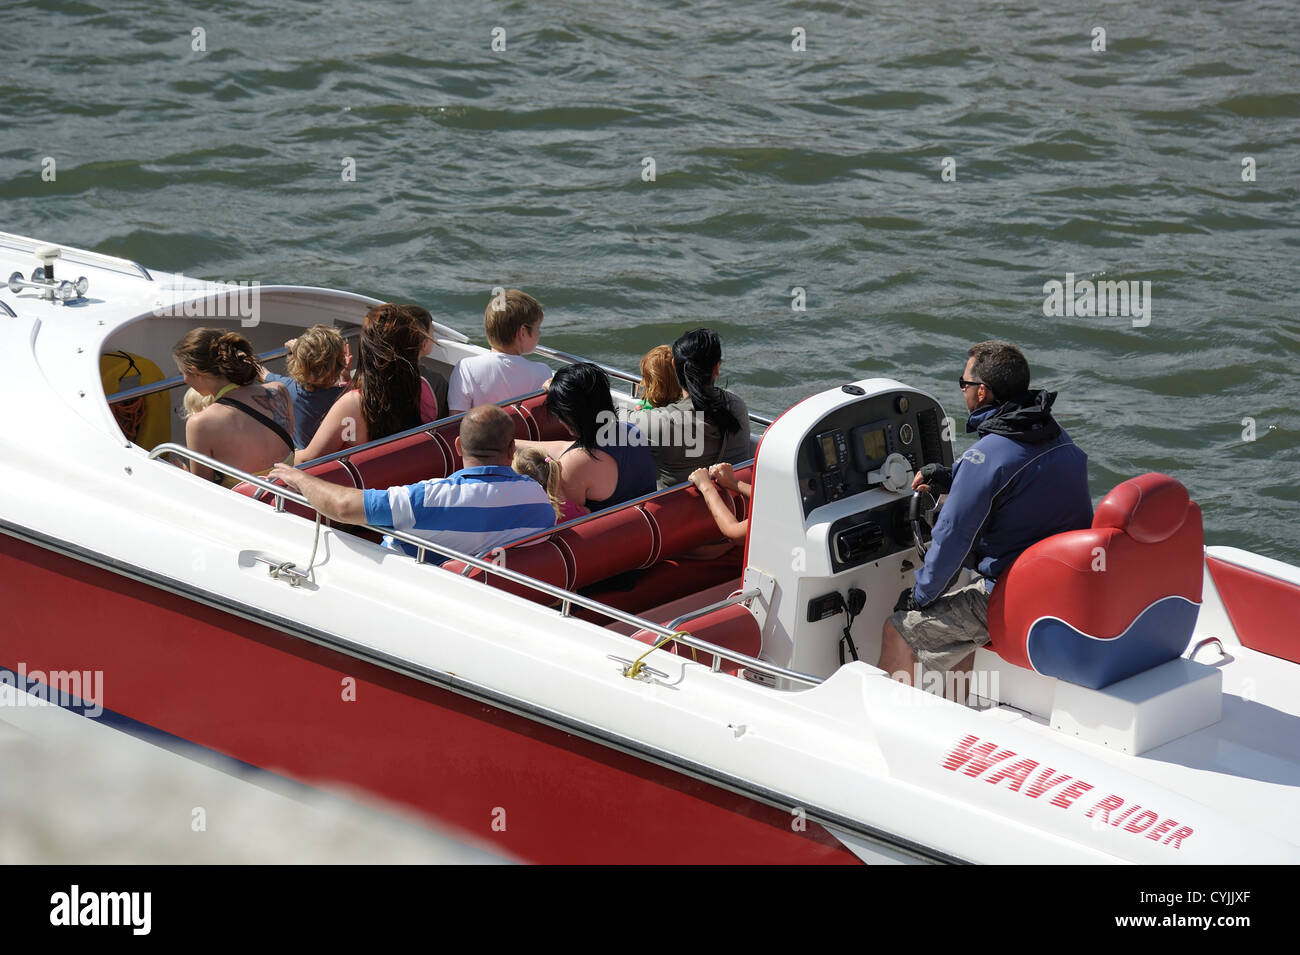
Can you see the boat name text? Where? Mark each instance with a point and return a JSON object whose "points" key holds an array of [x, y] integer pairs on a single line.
{"points": [[975, 758]]}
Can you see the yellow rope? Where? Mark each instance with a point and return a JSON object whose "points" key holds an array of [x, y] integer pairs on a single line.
{"points": [[635, 668]]}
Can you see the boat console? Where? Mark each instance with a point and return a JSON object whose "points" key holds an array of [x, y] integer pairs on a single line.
{"points": [[830, 533]]}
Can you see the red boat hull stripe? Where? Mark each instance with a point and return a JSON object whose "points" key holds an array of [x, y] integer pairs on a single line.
{"points": [[277, 702]]}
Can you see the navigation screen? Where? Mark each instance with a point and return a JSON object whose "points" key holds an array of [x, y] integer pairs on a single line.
{"points": [[873, 445], [830, 456]]}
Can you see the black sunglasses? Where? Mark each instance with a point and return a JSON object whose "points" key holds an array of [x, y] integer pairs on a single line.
{"points": [[964, 384]]}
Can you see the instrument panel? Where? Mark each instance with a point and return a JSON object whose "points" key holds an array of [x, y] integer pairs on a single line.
{"points": [[841, 454]]}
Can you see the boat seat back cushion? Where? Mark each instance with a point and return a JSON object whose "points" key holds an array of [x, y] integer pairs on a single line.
{"points": [[392, 464], [451, 430], [1098, 605], [622, 539], [541, 560], [614, 543]]}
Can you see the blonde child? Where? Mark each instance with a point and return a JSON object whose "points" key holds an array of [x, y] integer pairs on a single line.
{"points": [[195, 402], [534, 463], [512, 322], [318, 360]]}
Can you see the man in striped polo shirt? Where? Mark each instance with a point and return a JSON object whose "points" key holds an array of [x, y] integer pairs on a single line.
{"points": [[482, 506]]}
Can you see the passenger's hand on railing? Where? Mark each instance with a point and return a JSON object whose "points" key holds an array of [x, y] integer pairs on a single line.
{"points": [[289, 476], [724, 475], [700, 478]]}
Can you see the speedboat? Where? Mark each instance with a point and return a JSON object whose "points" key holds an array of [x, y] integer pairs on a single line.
{"points": [[611, 690]]}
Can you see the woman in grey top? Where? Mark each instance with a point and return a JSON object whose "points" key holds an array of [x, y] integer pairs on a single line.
{"points": [[706, 425]]}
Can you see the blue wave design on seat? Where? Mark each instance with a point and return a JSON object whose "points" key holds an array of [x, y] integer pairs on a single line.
{"points": [[1158, 635]]}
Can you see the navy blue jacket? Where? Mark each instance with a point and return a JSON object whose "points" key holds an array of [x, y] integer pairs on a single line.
{"points": [[1023, 480]]}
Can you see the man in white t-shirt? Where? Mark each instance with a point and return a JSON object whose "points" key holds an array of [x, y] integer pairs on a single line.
{"points": [[513, 323]]}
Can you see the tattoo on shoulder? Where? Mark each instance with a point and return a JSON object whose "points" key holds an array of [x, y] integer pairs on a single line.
{"points": [[274, 400]]}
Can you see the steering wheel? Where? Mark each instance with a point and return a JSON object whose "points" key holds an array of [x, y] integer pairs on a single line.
{"points": [[922, 512]]}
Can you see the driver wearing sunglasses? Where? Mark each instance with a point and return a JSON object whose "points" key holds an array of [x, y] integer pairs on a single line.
{"points": [[1022, 480]]}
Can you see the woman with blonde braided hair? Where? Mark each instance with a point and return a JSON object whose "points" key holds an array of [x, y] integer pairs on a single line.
{"points": [[249, 424], [390, 394]]}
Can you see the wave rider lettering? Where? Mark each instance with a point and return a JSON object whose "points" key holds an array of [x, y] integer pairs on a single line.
{"points": [[975, 757], [103, 908]]}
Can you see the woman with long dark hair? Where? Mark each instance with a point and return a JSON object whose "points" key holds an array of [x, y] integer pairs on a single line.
{"points": [[390, 394], [607, 462], [248, 424], [707, 425]]}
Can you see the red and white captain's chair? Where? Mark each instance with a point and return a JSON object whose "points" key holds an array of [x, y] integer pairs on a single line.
{"points": [[1095, 606]]}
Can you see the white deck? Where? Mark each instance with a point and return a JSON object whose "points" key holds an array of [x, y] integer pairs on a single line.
{"points": [[1247, 765]]}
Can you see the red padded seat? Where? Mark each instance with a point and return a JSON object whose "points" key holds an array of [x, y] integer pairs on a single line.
{"points": [[541, 560], [1098, 605], [543, 425], [418, 457], [669, 580], [682, 519], [613, 542], [650, 536]]}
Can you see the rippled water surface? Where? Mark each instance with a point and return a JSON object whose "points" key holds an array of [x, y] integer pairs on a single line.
{"points": [[774, 169]]}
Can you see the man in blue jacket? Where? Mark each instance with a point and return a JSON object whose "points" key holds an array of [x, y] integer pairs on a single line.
{"points": [[1022, 481]]}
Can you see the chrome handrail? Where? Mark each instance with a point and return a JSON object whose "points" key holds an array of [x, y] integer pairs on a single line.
{"points": [[85, 256], [733, 599], [5, 306], [167, 384], [566, 597], [570, 359]]}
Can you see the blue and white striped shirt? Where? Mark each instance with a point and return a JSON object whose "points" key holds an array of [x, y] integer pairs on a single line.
{"points": [[472, 510]]}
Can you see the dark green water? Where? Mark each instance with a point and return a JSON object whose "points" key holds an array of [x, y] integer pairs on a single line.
{"points": [[774, 169]]}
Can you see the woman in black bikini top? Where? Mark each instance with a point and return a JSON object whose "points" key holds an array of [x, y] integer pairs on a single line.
{"points": [[216, 363]]}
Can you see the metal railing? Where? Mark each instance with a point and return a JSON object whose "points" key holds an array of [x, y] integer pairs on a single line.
{"points": [[84, 256], [567, 598]]}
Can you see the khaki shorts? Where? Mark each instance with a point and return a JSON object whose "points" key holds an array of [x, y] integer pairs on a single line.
{"points": [[948, 630]]}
